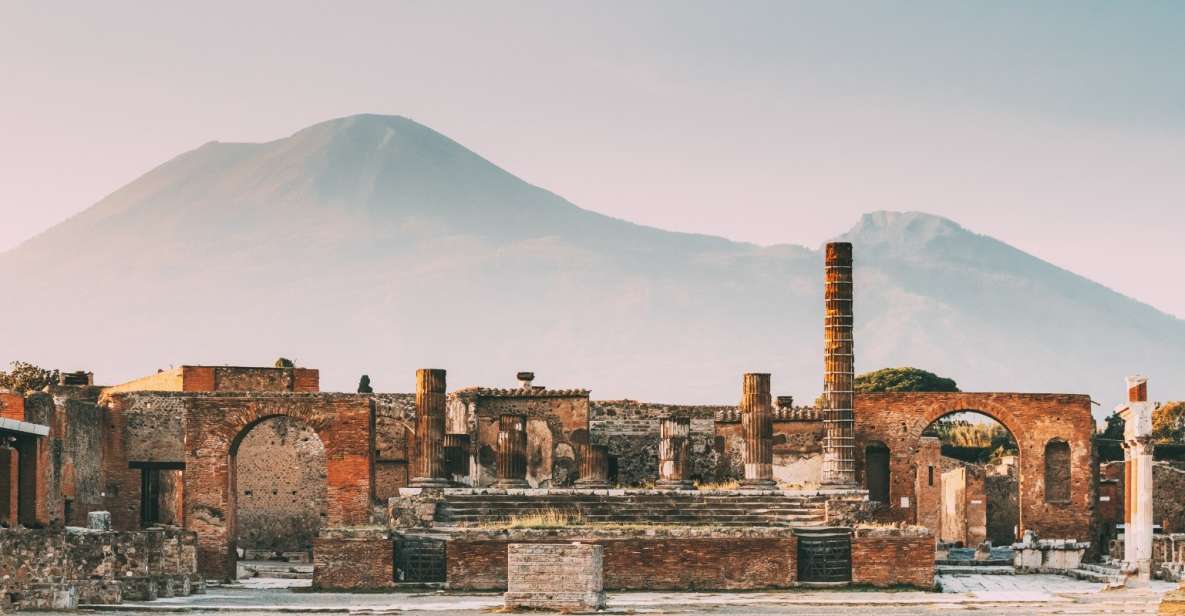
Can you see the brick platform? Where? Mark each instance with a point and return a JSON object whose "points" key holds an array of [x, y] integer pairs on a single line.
{"points": [[353, 559], [555, 576], [652, 559], [893, 557]]}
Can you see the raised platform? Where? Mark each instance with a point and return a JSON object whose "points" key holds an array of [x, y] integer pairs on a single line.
{"points": [[469, 507]]}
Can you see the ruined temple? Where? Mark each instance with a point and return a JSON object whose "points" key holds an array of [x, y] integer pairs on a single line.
{"points": [[430, 487]]}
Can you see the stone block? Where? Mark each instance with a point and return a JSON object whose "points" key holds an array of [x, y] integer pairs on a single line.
{"points": [[98, 520], [553, 576]]}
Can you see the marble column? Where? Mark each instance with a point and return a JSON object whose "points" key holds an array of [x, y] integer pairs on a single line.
{"points": [[430, 403], [673, 446], [758, 429], [512, 452], [1137, 462]]}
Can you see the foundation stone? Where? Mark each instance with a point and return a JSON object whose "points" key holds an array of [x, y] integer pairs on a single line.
{"points": [[555, 576]]}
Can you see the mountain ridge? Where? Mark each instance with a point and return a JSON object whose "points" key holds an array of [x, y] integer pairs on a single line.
{"points": [[376, 244]]}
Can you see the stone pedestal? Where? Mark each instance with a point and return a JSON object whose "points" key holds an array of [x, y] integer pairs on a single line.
{"points": [[430, 403], [673, 445], [758, 428], [512, 452], [839, 368], [594, 467], [548, 576]]}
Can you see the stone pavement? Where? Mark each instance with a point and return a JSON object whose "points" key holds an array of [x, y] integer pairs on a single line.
{"points": [[981, 595]]}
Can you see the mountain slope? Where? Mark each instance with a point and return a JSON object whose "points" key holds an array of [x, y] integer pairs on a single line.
{"points": [[374, 244]]}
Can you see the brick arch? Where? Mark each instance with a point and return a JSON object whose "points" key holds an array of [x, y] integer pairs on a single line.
{"points": [[215, 425], [898, 420]]}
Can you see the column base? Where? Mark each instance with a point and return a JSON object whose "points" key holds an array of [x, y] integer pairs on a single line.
{"points": [[674, 484], [591, 484], [430, 482], [764, 484], [512, 484]]}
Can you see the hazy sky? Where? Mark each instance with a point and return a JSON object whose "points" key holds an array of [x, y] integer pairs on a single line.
{"points": [[1057, 127]]}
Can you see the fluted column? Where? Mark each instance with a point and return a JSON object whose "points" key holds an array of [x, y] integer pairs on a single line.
{"points": [[594, 467], [674, 441], [512, 452], [839, 367], [430, 402], [758, 427]]}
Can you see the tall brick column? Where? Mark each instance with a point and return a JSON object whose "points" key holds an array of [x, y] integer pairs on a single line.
{"points": [[594, 467], [430, 402], [758, 428], [839, 367], [512, 452], [674, 441], [1137, 466]]}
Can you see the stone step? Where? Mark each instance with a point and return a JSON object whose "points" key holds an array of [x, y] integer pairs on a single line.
{"points": [[974, 570], [1116, 579]]}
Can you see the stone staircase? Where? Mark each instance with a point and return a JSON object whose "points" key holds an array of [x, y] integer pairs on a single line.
{"points": [[1103, 573], [653, 507]]}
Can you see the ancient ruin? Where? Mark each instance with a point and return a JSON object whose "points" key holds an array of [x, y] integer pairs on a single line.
{"points": [[217, 464]]}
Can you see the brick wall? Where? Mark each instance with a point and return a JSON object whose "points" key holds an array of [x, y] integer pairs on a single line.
{"points": [[280, 478], [680, 559], [555, 576], [353, 559], [890, 557], [898, 419], [12, 406]]}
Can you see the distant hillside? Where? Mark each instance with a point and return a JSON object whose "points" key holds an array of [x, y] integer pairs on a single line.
{"points": [[375, 244]]}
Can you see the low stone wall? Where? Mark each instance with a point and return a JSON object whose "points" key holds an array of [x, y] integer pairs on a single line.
{"points": [[61, 569], [893, 557], [555, 576], [641, 559], [353, 559]]}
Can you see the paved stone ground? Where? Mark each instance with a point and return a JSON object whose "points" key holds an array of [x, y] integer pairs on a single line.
{"points": [[978, 595]]}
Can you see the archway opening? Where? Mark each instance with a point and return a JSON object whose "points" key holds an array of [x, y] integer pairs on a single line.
{"points": [[278, 483], [967, 482]]}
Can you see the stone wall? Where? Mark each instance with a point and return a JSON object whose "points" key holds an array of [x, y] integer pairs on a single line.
{"points": [[661, 559], [557, 427], [1168, 508], [630, 430], [893, 557], [395, 420], [58, 569], [280, 478]]}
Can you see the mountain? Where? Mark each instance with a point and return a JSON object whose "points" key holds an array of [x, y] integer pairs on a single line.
{"points": [[373, 244]]}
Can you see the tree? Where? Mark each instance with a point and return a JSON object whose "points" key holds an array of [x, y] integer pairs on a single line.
{"points": [[23, 377], [903, 379], [284, 362], [364, 385], [1114, 429], [1168, 423]]}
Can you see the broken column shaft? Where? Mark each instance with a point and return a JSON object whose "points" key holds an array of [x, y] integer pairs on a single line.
{"points": [[839, 368], [673, 445], [594, 467], [758, 429], [512, 451], [430, 403]]}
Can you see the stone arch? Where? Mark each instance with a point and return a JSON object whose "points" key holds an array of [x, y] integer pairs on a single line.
{"points": [[215, 426], [278, 488], [899, 418]]}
